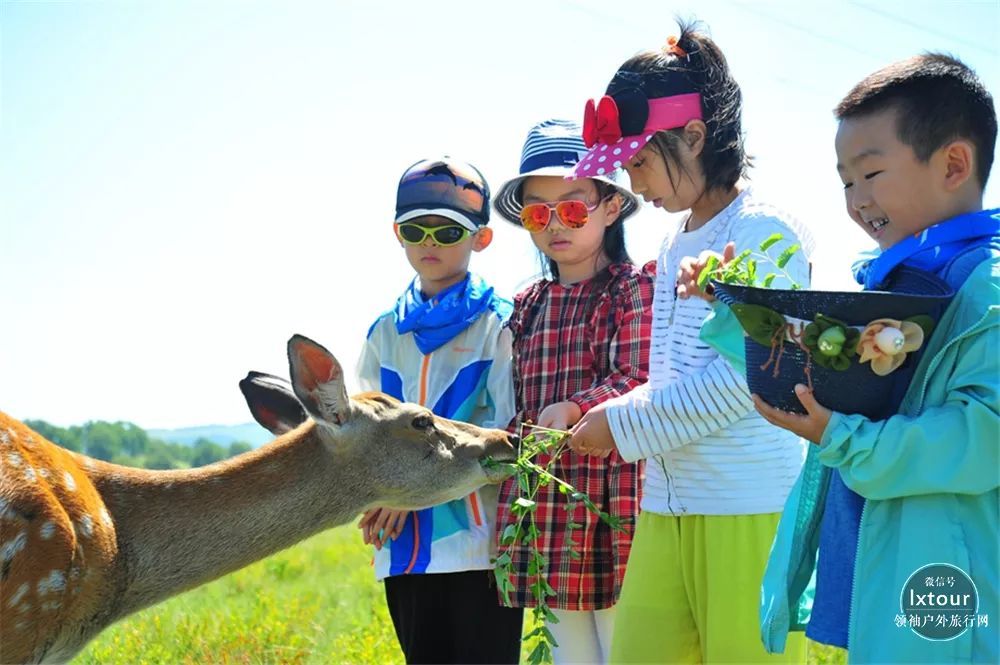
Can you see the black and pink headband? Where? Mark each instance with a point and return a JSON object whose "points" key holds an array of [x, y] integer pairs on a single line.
{"points": [[616, 127]]}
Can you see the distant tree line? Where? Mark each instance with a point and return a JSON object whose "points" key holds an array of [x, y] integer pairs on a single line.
{"points": [[129, 445]]}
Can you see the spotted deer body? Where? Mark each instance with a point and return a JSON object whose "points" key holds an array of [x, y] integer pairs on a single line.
{"points": [[84, 543]]}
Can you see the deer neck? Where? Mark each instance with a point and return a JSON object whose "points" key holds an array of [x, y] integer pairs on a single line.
{"points": [[179, 529]]}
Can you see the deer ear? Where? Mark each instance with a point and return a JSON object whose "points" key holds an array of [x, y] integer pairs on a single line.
{"points": [[272, 402], [318, 381]]}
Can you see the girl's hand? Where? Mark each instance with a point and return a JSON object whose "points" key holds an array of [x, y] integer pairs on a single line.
{"points": [[691, 268], [592, 435], [810, 426], [380, 525], [561, 415]]}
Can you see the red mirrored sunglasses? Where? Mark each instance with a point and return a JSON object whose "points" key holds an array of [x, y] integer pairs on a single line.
{"points": [[572, 214]]}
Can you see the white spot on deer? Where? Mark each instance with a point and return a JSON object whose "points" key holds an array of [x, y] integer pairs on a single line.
{"points": [[21, 625], [106, 517], [11, 433], [15, 459], [30, 475], [13, 546], [44, 473], [86, 526], [68, 481], [18, 595], [47, 531], [4, 438], [55, 582], [88, 463], [50, 606], [4, 508], [24, 609]]}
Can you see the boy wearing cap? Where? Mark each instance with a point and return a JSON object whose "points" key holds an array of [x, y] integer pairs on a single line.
{"points": [[444, 345]]}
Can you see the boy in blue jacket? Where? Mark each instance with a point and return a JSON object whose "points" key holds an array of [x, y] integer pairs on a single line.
{"points": [[444, 345], [881, 500]]}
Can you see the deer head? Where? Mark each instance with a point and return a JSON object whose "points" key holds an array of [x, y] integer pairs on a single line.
{"points": [[413, 459]]}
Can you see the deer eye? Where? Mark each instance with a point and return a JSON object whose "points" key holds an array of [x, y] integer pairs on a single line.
{"points": [[423, 422]]}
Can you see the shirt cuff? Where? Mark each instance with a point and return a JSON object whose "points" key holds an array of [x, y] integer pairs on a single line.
{"points": [[628, 449]]}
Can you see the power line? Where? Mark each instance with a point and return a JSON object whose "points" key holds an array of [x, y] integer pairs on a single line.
{"points": [[924, 28]]}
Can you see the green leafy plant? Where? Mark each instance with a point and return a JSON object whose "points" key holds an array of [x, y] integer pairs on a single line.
{"points": [[530, 477], [742, 269]]}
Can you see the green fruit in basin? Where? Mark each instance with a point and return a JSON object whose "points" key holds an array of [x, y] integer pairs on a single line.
{"points": [[831, 341]]}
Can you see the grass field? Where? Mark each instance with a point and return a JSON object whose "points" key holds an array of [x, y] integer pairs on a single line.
{"points": [[314, 603]]}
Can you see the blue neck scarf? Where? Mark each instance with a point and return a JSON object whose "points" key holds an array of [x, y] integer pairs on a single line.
{"points": [[934, 248], [437, 321]]}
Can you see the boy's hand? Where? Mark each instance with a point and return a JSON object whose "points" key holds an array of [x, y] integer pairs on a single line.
{"points": [[592, 435], [561, 415], [810, 426], [380, 525], [691, 268]]}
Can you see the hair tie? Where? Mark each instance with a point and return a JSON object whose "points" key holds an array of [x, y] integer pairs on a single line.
{"points": [[674, 48]]}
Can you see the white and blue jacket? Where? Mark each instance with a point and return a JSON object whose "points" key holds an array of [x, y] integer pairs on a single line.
{"points": [[464, 377]]}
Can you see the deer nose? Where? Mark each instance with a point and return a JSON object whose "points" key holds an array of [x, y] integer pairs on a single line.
{"points": [[514, 440]]}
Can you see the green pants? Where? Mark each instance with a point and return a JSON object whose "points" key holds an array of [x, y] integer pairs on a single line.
{"points": [[692, 592]]}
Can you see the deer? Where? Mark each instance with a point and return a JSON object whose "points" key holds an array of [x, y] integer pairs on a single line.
{"points": [[84, 543]]}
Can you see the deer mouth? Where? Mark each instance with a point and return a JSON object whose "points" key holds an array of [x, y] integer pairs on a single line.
{"points": [[499, 466]]}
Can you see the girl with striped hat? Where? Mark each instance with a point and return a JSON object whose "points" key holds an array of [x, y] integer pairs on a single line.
{"points": [[580, 337]]}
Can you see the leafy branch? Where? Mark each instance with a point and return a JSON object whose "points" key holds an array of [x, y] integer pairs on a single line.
{"points": [[530, 477], [742, 269]]}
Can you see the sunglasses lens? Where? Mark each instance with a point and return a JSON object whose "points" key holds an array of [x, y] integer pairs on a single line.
{"points": [[449, 235], [535, 217], [573, 214], [411, 233]]}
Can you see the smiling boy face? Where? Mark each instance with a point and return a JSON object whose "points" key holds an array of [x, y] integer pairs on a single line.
{"points": [[889, 192]]}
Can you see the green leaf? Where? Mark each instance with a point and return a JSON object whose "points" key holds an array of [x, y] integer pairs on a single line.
{"points": [[706, 273], [925, 322], [840, 363], [759, 323], [770, 241], [786, 256], [503, 560], [526, 504], [769, 279], [752, 270], [509, 535]]}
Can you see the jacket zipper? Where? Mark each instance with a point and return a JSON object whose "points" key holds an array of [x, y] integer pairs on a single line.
{"points": [[422, 392]]}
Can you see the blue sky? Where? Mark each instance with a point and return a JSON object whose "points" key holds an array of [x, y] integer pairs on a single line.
{"points": [[185, 185]]}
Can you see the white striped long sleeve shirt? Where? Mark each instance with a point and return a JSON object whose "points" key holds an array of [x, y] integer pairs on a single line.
{"points": [[711, 453]]}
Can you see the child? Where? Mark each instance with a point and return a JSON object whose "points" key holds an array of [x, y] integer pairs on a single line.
{"points": [[719, 475], [444, 345], [580, 337], [914, 149]]}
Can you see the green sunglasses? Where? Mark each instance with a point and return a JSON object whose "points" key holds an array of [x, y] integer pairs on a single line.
{"points": [[445, 236]]}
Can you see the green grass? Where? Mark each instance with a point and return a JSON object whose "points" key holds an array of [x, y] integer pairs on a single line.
{"points": [[317, 602]]}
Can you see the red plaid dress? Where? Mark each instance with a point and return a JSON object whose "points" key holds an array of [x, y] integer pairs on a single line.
{"points": [[569, 346]]}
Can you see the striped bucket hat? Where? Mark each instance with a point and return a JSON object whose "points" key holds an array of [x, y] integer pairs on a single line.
{"points": [[553, 148]]}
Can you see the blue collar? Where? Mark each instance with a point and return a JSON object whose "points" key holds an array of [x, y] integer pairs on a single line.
{"points": [[934, 248], [436, 321]]}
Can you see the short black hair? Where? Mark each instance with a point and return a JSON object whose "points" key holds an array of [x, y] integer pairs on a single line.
{"points": [[937, 99], [704, 70]]}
